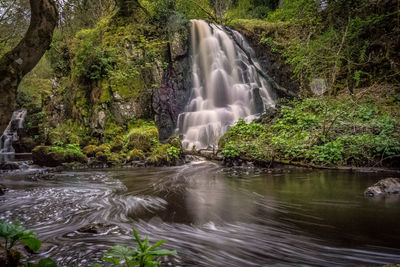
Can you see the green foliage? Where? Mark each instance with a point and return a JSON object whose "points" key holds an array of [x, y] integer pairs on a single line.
{"points": [[230, 150], [13, 233], [342, 42], [159, 155], [297, 11], [136, 154], [320, 131], [143, 256], [173, 153], [91, 60], [46, 262]]}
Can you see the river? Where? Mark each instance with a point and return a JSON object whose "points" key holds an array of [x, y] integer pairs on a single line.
{"points": [[210, 214]]}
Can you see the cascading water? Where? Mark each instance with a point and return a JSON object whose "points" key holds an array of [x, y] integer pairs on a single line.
{"points": [[10, 134], [226, 85]]}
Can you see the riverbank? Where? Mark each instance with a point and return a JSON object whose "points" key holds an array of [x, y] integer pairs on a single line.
{"points": [[322, 132]]}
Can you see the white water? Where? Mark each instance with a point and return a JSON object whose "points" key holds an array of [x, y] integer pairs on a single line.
{"points": [[10, 134], [225, 86]]}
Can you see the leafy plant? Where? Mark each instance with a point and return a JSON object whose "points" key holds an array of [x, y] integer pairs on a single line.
{"points": [[230, 150], [144, 255], [173, 152], [13, 233]]}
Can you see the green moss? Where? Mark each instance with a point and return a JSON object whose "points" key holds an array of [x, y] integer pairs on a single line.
{"points": [[159, 155], [91, 150], [143, 137], [69, 133], [56, 155], [135, 154]]}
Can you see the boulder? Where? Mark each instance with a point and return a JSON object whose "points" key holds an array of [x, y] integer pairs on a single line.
{"points": [[45, 156], [3, 189], [94, 228], [9, 165], [388, 186]]}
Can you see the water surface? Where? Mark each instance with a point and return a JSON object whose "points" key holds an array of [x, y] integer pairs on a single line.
{"points": [[212, 216]]}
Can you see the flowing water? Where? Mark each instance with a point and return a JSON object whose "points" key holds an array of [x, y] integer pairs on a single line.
{"points": [[10, 134], [212, 215], [226, 85]]}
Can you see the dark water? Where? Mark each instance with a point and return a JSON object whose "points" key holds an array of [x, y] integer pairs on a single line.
{"points": [[212, 216]]}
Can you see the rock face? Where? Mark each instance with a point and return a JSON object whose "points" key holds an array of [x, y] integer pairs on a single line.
{"points": [[271, 63], [170, 99], [388, 186]]}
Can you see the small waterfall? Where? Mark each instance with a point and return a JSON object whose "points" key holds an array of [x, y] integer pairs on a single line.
{"points": [[225, 85], [10, 134]]}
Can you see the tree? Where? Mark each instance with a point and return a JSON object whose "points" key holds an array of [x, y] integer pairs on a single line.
{"points": [[15, 64]]}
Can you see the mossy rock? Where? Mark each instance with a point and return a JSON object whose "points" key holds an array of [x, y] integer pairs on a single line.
{"points": [[136, 154], [159, 155], [143, 138], [45, 156], [118, 144], [114, 159], [91, 150], [101, 156]]}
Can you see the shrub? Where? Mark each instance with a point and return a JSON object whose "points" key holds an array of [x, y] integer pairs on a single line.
{"points": [[143, 256]]}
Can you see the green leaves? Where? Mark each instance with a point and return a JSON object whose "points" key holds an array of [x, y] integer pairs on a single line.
{"points": [[46, 262], [13, 233], [143, 256]]}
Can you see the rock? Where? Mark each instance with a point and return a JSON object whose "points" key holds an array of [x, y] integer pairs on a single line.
{"points": [[170, 99], [3, 189], [319, 86], [44, 156], [388, 186], [9, 165], [93, 228]]}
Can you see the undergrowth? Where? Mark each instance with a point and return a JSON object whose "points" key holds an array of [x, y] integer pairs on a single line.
{"points": [[320, 131]]}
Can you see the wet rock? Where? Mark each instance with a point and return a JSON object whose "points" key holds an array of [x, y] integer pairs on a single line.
{"points": [[44, 156], [3, 189], [388, 186], [9, 166], [170, 98], [93, 228], [42, 175]]}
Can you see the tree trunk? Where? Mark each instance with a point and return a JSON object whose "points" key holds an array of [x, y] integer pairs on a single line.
{"points": [[23, 58]]}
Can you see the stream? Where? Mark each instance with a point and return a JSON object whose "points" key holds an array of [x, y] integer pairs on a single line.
{"points": [[210, 214]]}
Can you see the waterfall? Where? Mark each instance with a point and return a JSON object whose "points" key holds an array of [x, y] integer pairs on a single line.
{"points": [[226, 85], [10, 134]]}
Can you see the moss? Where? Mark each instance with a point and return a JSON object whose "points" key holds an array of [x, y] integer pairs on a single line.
{"points": [[91, 150], [135, 154], [68, 133], [143, 137], [101, 156], [159, 155], [55, 156]]}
